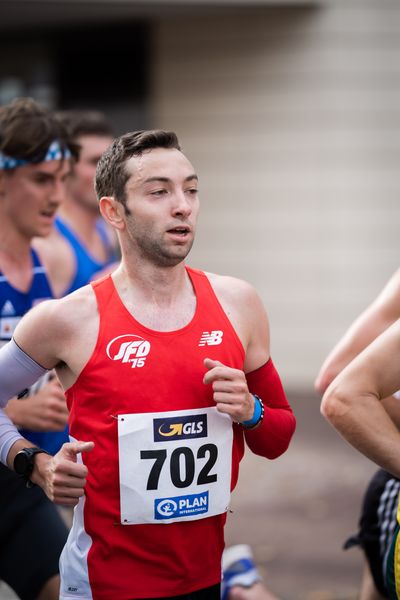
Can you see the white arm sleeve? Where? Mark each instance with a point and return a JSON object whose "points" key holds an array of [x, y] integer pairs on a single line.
{"points": [[17, 372], [8, 435]]}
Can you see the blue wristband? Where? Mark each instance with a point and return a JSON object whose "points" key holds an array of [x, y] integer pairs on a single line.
{"points": [[257, 415]]}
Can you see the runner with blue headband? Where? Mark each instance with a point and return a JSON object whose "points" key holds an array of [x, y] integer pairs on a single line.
{"points": [[35, 160], [54, 152]]}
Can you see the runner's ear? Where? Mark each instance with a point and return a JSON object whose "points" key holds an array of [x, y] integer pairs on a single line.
{"points": [[112, 211]]}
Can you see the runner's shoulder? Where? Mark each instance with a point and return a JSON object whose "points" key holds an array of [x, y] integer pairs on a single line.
{"points": [[61, 316], [233, 290]]}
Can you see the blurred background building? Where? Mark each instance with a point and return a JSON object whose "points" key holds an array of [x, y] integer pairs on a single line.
{"points": [[290, 112]]}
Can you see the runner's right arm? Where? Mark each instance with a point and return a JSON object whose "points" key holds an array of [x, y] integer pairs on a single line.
{"points": [[61, 477], [383, 311]]}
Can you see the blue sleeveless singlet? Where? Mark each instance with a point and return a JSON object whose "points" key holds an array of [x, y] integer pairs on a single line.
{"points": [[85, 265], [13, 306]]}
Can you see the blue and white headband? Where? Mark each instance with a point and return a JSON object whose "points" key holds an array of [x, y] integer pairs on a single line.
{"points": [[55, 152]]}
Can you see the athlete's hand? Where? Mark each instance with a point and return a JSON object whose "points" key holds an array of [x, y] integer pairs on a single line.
{"points": [[44, 411], [231, 393], [62, 477]]}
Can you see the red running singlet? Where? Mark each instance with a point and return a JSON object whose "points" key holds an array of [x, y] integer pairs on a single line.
{"points": [[133, 371]]}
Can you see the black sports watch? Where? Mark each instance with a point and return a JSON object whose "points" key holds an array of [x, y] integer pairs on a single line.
{"points": [[24, 462]]}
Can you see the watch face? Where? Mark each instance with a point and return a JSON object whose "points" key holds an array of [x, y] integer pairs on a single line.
{"points": [[23, 463]]}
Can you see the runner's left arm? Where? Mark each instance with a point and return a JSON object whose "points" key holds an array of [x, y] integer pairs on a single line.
{"points": [[234, 389], [272, 437]]}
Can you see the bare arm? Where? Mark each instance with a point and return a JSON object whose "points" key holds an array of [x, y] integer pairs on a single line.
{"points": [[249, 319], [46, 335], [352, 403], [234, 389], [247, 314], [38, 333], [372, 322], [61, 333], [392, 407]]}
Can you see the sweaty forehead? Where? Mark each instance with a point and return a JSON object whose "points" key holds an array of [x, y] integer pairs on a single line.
{"points": [[161, 162]]}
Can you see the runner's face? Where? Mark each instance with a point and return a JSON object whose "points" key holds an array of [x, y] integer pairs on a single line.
{"points": [[162, 197], [31, 194], [81, 183]]}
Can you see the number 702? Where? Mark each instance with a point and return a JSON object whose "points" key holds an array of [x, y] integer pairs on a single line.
{"points": [[182, 457]]}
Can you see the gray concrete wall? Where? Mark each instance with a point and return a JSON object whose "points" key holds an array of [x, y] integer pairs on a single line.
{"points": [[292, 119]]}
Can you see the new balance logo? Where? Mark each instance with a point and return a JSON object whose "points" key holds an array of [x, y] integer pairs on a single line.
{"points": [[211, 338]]}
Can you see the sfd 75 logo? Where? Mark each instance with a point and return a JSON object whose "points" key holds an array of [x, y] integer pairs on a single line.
{"points": [[130, 349]]}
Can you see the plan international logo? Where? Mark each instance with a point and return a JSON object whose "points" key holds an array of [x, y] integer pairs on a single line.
{"points": [[181, 506]]}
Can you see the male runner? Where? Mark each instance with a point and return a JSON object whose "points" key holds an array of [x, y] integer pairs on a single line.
{"points": [[79, 239], [80, 235], [378, 516], [34, 165], [167, 374]]}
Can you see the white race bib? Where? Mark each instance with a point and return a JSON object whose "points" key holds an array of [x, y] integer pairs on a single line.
{"points": [[174, 466]]}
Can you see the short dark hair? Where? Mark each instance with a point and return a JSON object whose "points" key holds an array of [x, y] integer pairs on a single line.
{"points": [[27, 129], [85, 122], [111, 174]]}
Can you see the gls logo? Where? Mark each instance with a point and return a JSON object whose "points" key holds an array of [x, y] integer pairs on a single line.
{"points": [[211, 338], [180, 428], [129, 348]]}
